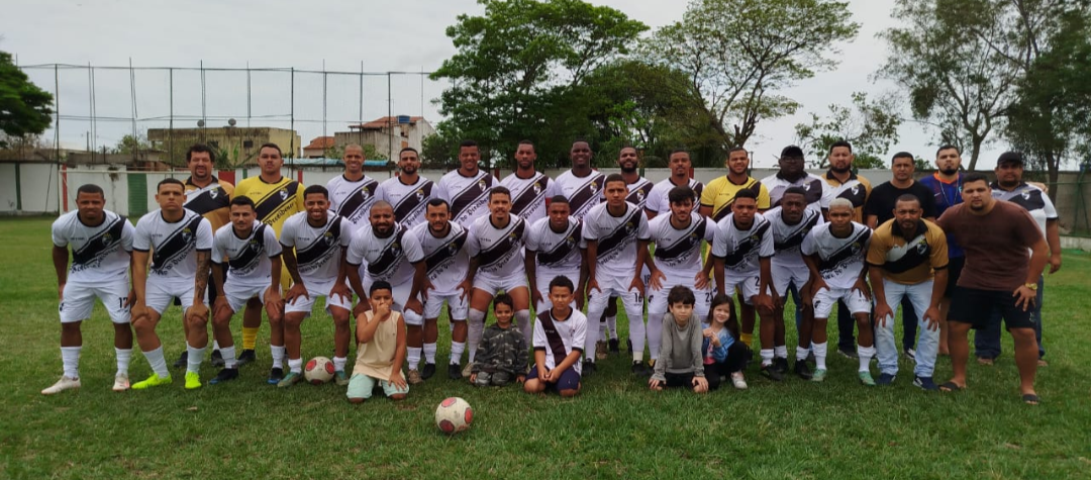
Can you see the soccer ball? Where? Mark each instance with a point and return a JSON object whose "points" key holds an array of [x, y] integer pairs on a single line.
{"points": [[318, 371], [454, 415]]}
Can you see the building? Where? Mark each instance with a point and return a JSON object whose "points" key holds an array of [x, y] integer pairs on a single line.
{"points": [[387, 134], [239, 145], [318, 148]]}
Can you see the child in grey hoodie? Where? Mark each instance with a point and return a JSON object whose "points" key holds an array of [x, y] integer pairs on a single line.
{"points": [[681, 360]]}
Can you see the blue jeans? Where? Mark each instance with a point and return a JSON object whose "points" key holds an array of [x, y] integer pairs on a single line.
{"points": [[846, 324], [987, 340], [919, 295]]}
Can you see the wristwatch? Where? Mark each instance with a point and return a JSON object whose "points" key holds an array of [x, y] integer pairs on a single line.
{"points": [[1032, 286]]}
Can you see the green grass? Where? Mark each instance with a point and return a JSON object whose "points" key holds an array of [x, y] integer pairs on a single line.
{"points": [[615, 429]]}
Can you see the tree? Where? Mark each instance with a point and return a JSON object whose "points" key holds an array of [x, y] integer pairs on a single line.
{"points": [[25, 109], [871, 127], [132, 145], [739, 53]]}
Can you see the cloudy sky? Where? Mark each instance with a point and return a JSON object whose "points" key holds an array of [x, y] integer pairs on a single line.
{"points": [[345, 36]]}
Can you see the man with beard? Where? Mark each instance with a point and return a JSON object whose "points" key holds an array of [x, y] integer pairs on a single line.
{"points": [[529, 188], [408, 192], [946, 186], [680, 166], [352, 193], [467, 189], [582, 186]]}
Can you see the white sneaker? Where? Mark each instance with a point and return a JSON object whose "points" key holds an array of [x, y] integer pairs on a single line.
{"points": [[121, 382], [468, 370], [65, 383], [738, 380]]}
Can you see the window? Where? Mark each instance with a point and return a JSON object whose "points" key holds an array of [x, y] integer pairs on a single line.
{"points": [[248, 144]]}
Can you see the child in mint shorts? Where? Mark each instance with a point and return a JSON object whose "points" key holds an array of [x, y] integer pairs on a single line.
{"points": [[380, 353]]}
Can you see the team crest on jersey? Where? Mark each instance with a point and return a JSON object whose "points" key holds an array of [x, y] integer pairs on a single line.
{"points": [[253, 245], [481, 184], [283, 194], [420, 194], [187, 235], [396, 248], [807, 186], [213, 193], [1025, 194], [327, 238], [107, 238], [855, 190], [452, 249], [922, 248], [594, 186], [640, 195], [856, 247], [629, 227], [537, 188]]}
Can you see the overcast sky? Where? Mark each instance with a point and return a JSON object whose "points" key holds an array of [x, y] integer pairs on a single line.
{"points": [[375, 36]]}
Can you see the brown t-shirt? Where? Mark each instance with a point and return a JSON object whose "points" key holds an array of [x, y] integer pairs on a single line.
{"points": [[996, 244]]}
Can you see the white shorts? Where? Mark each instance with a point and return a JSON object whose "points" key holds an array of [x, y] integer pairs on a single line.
{"points": [[492, 284], [79, 301], [459, 304], [825, 298], [784, 276], [238, 293], [748, 286], [543, 288], [158, 294], [657, 299], [314, 291], [400, 296], [616, 287]]}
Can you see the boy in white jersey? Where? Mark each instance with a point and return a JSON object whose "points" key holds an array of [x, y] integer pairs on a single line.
{"points": [[445, 247], [180, 242], [102, 243], [835, 254], [314, 244], [496, 263], [617, 247], [555, 247], [677, 261], [680, 166], [466, 190], [582, 186], [741, 254], [352, 193], [558, 334], [408, 192], [393, 255], [791, 222], [529, 188], [253, 257]]}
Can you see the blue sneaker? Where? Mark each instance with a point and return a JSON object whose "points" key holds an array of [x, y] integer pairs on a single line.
{"points": [[925, 383], [885, 379]]}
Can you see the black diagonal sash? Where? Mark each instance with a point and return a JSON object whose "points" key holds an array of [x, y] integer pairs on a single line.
{"points": [[100, 243], [553, 337]]}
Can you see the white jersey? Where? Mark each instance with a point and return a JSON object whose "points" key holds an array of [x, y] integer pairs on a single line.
{"points": [[448, 258], [617, 238], [352, 200], [840, 260], [583, 193], [174, 245], [317, 250], [678, 251], [1031, 198], [556, 253], [818, 191], [409, 201], [658, 201], [788, 238], [572, 334], [468, 196], [528, 195], [100, 254], [499, 251], [639, 192], [742, 249], [247, 258], [388, 258]]}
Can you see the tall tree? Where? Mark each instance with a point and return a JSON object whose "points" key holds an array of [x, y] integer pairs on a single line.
{"points": [[870, 126], [25, 109], [739, 54]]}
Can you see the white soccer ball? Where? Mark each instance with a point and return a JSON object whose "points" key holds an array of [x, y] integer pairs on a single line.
{"points": [[318, 371], [454, 415]]}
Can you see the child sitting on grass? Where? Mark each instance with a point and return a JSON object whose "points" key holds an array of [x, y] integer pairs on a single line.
{"points": [[559, 334], [680, 363], [502, 354], [380, 340], [725, 355]]}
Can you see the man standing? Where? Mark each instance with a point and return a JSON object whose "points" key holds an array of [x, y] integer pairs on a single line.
{"points": [[1000, 274], [555, 247], [680, 166], [946, 187], [907, 258], [529, 188], [791, 222], [102, 243], [582, 186], [844, 183], [408, 192], [719, 193], [466, 189], [1009, 186], [352, 193]]}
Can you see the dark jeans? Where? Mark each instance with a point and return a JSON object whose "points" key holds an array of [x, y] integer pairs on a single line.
{"points": [[987, 340], [738, 356]]}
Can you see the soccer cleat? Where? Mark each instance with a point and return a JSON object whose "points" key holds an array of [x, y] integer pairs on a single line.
{"points": [[771, 372], [414, 377], [225, 375], [640, 370], [819, 375], [246, 357], [847, 353], [629, 345], [614, 345], [341, 377], [121, 382], [589, 368], [910, 354], [925, 383], [182, 361], [781, 364], [803, 370], [468, 369], [152, 381], [290, 379], [600, 350], [193, 380], [275, 376], [738, 380], [865, 379], [885, 379], [428, 370], [65, 383], [454, 371], [217, 359]]}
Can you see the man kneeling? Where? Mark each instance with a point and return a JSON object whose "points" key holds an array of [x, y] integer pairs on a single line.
{"points": [[380, 339], [680, 363], [559, 334]]}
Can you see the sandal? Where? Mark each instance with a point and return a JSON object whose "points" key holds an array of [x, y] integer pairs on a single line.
{"points": [[1030, 399], [950, 387]]}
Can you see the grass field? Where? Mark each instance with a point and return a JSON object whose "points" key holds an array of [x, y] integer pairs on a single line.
{"points": [[615, 429]]}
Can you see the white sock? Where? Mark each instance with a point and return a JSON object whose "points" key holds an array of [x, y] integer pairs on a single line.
{"points": [[215, 345], [339, 363], [278, 355], [430, 353], [124, 355], [476, 328], [611, 324], [781, 351], [865, 354], [602, 329], [414, 357], [157, 362], [655, 333], [801, 353], [766, 356], [456, 352], [70, 358], [819, 355], [295, 365], [522, 319], [636, 335], [194, 359], [229, 356]]}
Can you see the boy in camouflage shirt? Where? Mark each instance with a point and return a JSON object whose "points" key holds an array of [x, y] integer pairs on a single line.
{"points": [[502, 354]]}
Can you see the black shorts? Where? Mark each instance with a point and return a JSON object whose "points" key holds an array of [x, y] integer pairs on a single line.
{"points": [[976, 307], [954, 271]]}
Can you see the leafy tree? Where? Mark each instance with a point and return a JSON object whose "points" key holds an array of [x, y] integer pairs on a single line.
{"points": [[871, 127], [738, 54], [131, 145], [25, 109]]}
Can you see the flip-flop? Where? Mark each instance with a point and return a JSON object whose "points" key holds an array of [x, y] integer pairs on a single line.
{"points": [[1030, 399], [950, 387]]}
